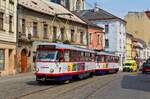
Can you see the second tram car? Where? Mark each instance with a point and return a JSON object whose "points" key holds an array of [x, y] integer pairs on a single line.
{"points": [[61, 62], [106, 63]]}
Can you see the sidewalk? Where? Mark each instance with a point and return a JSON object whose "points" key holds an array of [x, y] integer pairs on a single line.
{"points": [[16, 76]]}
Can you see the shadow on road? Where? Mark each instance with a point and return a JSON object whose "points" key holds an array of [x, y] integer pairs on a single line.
{"points": [[139, 82], [35, 83]]}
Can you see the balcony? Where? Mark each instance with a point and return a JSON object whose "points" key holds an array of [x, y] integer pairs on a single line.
{"points": [[22, 37]]}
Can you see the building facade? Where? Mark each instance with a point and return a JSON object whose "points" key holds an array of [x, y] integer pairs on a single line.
{"points": [[95, 38], [44, 21], [129, 46], [138, 52], [8, 9], [114, 28], [72, 5], [138, 24]]}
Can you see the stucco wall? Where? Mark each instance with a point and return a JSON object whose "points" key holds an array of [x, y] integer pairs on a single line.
{"points": [[5, 8], [138, 24]]}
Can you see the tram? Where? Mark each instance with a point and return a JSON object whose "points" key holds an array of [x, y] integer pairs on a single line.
{"points": [[61, 62], [106, 63]]}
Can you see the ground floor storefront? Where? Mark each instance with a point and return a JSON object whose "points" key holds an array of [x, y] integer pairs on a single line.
{"points": [[7, 58]]}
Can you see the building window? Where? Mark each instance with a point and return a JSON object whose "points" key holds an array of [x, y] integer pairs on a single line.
{"points": [[35, 29], [11, 1], [81, 37], [1, 20], [56, 1], [106, 28], [23, 26], [78, 7], [72, 35], [67, 4], [98, 39], [54, 33], [106, 43], [2, 59], [45, 30], [90, 38], [10, 23], [62, 31]]}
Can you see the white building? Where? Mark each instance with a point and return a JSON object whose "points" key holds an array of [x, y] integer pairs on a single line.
{"points": [[7, 36], [115, 35]]}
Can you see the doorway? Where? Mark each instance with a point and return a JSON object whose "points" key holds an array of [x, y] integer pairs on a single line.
{"points": [[23, 61]]}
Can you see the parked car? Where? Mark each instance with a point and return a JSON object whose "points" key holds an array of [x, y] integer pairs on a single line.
{"points": [[146, 67], [130, 66]]}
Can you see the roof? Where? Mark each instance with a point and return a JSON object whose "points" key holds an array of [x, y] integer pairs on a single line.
{"points": [[129, 35], [140, 42], [50, 8], [91, 24], [106, 53], [66, 46], [97, 14]]}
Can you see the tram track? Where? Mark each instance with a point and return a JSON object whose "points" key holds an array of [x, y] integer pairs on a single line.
{"points": [[68, 87], [86, 84], [101, 88], [37, 91]]}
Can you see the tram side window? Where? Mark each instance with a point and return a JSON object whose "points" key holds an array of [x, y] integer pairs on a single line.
{"points": [[98, 58], [110, 58], [106, 58], [73, 56], [87, 56], [82, 56], [102, 58], [59, 56], [78, 55], [93, 57], [66, 56], [116, 59]]}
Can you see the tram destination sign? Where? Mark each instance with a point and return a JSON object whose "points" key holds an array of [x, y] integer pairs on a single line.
{"points": [[47, 47]]}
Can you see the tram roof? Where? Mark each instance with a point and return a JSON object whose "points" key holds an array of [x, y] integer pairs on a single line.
{"points": [[66, 46], [106, 53]]}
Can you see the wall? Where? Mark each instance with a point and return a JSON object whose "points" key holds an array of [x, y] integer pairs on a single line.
{"points": [[7, 38], [116, 36], [138, 24], [128, 47], [94, 37]]}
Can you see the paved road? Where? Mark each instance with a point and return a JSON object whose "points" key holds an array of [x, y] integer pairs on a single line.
{"points": [[116, 86]]}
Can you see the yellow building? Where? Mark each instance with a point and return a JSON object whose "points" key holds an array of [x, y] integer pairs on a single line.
{"points": [[138, 23], [129, 38]]}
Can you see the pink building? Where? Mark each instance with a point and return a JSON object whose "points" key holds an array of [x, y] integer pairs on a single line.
{"points": [[96, 36]]}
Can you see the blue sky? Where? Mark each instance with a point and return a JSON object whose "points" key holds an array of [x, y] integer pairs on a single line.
{"points": [[120, 7]]}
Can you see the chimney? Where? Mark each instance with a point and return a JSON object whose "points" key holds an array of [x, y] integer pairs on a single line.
{"points": [[96, 9]]}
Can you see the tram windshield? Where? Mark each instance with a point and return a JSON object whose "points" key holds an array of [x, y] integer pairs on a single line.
{"points": [[46, 55]]}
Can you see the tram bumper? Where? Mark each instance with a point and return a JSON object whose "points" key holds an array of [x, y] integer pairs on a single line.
{"points": [[52, 77]]}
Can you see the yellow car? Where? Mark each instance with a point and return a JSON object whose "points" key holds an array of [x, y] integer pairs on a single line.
{"points": [[130, 66]]}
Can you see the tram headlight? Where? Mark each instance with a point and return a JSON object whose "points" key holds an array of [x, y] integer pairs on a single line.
{"points": [[51, 70]]}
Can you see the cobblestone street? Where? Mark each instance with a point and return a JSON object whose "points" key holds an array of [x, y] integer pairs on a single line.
{"points": [[116, 86]]}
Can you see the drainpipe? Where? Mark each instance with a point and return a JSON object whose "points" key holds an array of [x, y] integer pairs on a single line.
{"points": [[17, 37]]}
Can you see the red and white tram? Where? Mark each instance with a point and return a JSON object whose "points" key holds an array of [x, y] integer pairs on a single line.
{"points": [[106, 63], [60, 62]]}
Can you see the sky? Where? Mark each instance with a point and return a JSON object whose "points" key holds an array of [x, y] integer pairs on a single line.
{"points": [[120, 8]]}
